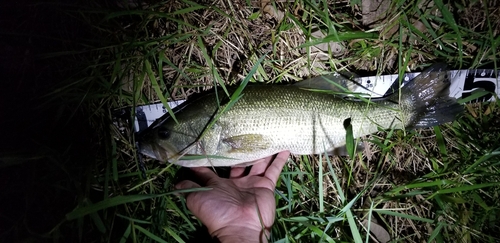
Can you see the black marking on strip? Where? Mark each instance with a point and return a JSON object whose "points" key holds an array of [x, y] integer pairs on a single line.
{"points": [[141, 119]]}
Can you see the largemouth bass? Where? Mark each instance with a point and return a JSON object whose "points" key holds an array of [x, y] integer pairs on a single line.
{"points": [[268, 119]]}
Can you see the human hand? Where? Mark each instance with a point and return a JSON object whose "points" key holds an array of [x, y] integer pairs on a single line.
{"points": [[241, 208]]}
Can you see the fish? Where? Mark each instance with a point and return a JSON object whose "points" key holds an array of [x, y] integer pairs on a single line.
{"points": [[267, 119]]}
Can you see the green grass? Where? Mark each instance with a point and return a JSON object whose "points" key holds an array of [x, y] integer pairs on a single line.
{"points": [[430, 185]]}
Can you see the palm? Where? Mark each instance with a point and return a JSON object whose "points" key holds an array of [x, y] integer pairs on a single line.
{"points": [[242, 200]]}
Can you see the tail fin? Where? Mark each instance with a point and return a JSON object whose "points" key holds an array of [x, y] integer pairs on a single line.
{"points": [[426, 98]]}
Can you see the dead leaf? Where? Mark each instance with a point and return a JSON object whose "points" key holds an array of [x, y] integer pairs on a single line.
{"points": [[374, 11], [321, 50], [377, 231], [268, 8]]}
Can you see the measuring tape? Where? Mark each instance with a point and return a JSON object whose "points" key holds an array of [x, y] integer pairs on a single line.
{"points": [[463, 83]]}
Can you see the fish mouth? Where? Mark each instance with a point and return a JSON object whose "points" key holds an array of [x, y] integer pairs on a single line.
{"points": [[158, 152], [154, 151]]}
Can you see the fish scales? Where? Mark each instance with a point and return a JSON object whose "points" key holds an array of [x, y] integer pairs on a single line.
{"points": [[301, 121]]}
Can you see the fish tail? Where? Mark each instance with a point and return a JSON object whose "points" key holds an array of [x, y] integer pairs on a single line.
{"points": [[426, 99]]}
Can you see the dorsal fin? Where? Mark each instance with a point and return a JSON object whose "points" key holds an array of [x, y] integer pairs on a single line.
{"points": [[334, 82]]}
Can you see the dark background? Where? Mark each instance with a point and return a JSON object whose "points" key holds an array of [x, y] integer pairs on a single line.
{"points": [[45, 145]]}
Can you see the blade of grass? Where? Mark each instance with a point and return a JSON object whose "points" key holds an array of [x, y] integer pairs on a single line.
{"points": [[450, 20], [216, 76], [126, 234], [465, 188], [320, 185], [402, 215], [149, 234], [111, 202], [440, 141], [174, 235], [350, 217], [156, 87]]}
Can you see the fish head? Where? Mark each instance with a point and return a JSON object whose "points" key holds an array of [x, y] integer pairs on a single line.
{"points": [[168, 140], [158, 143]]}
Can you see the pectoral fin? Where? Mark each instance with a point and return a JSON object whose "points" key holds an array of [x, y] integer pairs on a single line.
{"points": [[247, 143]]}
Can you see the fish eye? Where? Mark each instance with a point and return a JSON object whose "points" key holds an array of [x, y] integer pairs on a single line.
{"points": [[163, 133]]}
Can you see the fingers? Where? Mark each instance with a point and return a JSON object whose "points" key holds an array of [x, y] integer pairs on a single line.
{"points": [[204, 174], [186, 184], [274, 170], [258, 168], [261, 165], [237, 172]]}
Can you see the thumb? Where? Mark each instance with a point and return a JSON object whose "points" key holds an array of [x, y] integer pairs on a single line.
{"points": [[186, 184]]}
